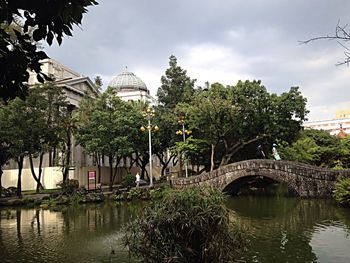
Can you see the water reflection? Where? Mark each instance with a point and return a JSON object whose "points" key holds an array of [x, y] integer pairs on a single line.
{"points": [[293, 230], [68, 234], [280, 230]]}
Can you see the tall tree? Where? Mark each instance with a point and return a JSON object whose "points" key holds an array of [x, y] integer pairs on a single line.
{"points": [[233, 117], [15, 131], [176, 86], [39, 20], [107, 129], [166, 137]]}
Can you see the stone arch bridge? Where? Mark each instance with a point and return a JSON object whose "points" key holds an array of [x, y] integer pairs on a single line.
{"points": [[305, 180]]}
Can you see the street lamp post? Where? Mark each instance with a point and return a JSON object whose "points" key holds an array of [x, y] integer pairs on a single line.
{"points": [[149, 113], [183, 132]]}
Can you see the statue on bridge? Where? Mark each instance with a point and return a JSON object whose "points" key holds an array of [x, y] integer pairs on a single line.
{"points": [[275, 154]]}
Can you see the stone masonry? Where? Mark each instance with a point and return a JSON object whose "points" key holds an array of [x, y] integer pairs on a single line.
{"points": [[305, 180]]}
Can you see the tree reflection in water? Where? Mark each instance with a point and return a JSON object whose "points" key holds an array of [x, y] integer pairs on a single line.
{"points": [[280, 229]]}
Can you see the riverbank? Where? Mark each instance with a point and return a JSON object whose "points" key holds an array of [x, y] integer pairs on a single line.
{"points": [[47, 198]]}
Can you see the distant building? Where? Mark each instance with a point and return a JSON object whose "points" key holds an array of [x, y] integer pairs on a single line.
{"points": [[341, 114], [339, 127], [129, 87], [74, 84]]}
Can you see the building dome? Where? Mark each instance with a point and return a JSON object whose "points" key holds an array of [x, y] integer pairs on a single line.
{"points": [[127, 81]]}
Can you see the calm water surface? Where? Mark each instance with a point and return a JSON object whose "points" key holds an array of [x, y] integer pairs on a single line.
{"points": [[279, 230]]}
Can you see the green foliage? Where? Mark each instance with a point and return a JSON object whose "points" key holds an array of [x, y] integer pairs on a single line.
{"points": [[315, 147], [32, 21], [32, 127], [134, 193], [129, 180], [69, 186], [107, 126], [304, 150], [7, 192], [157, 193], [185, 226], [231, 118], [176, 85], [341, 192], [344, 152]]}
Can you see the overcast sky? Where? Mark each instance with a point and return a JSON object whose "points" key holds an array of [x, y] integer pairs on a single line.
{"points": [[217, 41]]}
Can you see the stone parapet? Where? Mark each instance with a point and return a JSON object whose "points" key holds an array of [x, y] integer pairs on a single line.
{"points": [[305, 180]]}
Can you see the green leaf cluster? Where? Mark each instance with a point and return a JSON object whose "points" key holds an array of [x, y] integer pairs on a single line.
{"points": [[317, 147], [231, 118], [32, 21], [341, 192]]}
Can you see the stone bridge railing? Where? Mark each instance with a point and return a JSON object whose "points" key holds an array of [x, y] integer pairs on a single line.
{"points": [[305, 180]]}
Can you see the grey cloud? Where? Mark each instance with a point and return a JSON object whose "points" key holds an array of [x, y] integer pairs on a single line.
{"points": [[264, 34]]}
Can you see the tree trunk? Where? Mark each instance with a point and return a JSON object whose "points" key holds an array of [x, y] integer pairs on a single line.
{"points": [[115, 168], [99, 173], [110, 160], [98, 164], [212, 157], [164, 164], [19, 180], [54, 157], [39, 185], [1, 172], [180, 165], [68, 153], [50, 157], [37, 179]]}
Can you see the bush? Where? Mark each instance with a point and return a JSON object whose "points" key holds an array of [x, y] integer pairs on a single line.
{"points": [[157, 193], [7, 192], [185, 226], [341, 192], [134, 193], [129, 180], [68, 187]]}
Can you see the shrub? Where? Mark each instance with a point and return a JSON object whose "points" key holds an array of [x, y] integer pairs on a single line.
{"points": [[341, 192], [68, 187], [157, 193], [7, 192], [185, 226], [134, 193], [129, 180]]}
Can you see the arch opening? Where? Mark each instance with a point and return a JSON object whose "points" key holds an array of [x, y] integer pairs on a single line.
{"points": [[258, 185]]}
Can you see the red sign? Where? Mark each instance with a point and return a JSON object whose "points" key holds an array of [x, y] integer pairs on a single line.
{"points": [[92, 175]]}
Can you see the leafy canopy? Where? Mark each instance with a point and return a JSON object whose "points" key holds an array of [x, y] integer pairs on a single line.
{"points": [[34, 20]]}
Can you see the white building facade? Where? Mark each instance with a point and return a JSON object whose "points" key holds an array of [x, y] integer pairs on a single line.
{"points": [[334, 127]]}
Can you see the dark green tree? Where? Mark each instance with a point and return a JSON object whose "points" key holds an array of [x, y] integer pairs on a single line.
{"points": [[176, 85], [14, 130], [234, 117], [37, 20], [107, 129], [316, 147]]}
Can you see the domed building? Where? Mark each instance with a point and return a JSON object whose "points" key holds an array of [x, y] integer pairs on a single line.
{"points": [[130, 87]]}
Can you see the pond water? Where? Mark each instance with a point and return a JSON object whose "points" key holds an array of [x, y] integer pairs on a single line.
{"points": [[279, 230]]}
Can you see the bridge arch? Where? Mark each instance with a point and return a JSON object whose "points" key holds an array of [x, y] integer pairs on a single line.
{"points": [[238, 183], [305, 180]]}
